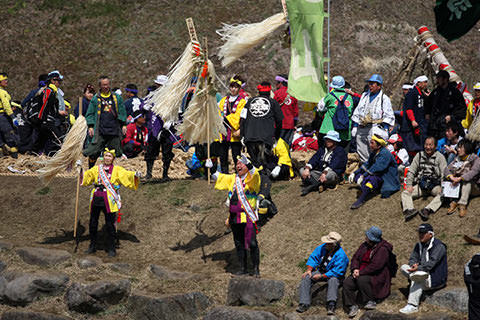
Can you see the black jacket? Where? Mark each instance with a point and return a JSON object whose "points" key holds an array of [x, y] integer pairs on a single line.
{"points": [[472, 281], [441, 103], [337, 161], [260, 118]]}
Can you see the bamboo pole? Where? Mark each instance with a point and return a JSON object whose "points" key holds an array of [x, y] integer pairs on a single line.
{"points": [[80, 100], [205, 41]]}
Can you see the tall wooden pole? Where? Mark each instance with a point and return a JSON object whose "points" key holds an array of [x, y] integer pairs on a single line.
{"points": [[206, 107], [80, 100]]}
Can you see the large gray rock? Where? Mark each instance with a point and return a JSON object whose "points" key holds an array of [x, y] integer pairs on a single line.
{"points": [[231, 313], [5, 246], [97, 296], [89, 262], [163, 273], [296, 316], [25, 315], [378, 315], [3, 266], [42, 256], [26, 288], [253, 291], [187, 306], [455, 299], [121, 267]]}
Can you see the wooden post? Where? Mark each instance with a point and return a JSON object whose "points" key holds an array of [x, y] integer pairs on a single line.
{"points": [[80, 100], [205, 43]]}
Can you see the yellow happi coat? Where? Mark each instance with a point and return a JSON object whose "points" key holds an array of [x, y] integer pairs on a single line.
{"points": [[233, 118], [251, 188], [120, 177], [281, 150]]}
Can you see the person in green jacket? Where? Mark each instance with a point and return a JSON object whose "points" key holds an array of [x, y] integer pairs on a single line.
{"points": [[106, 119], [328, 106]]}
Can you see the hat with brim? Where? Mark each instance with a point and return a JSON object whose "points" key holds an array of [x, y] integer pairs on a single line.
{"points": [[332, 237], [55, 75], [425, 227], [333, 135], [374, 234], [337, 82], [375, 78], [476, 86], [395, 138], [161, 80]]}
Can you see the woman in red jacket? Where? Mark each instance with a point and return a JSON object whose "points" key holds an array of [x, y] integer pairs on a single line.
{"points": [[289, 107]]}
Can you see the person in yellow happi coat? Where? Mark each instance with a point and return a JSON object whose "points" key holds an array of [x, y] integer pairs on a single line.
{"points": [[279, 162], [243, 188], [107, 179]]}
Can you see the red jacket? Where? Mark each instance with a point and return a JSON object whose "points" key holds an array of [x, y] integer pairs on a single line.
{"points": [[289, 107], [132, 135]]}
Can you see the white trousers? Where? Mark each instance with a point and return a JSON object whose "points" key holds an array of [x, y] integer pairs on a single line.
{"points": [[416, 287]]}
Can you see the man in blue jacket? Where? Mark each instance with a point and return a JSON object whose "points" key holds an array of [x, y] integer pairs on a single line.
{"points": [[379, 173], [328, 262], [326, 167]]}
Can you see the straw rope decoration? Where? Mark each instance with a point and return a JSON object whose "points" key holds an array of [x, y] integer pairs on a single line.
{"points": [[69, 153], [241, 38], [194, 127], [167, 99]]}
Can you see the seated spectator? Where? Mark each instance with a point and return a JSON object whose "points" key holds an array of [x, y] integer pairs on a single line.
{"points": [[328, 262], [463, 170], [427, 267], [379, 173], [448, 145], [371, 276], [423, 179], [395, 146], [137, 136], [326, 167], [279, 161], [471, 276]]}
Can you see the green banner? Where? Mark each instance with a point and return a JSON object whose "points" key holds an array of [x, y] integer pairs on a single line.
{"points": [[305, 81], [454, 18]]}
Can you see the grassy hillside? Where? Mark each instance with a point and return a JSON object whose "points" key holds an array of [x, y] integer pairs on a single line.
{"points": [[133, 41]]}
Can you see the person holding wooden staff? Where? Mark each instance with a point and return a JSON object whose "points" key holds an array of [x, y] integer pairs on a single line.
{"points": [[243, 188], [107, 179]]}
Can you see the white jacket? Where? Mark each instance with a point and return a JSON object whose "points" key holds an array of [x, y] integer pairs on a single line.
{"points": [[378, 111]]}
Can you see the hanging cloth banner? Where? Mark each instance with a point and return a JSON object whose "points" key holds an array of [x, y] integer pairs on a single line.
{"points": [[454, 18], [305, 81]]}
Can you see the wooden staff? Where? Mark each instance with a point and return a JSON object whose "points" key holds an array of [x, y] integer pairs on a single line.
{"points": [[205, 43], [80, 100]]}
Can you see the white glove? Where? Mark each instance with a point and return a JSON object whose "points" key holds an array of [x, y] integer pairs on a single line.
{"points": [[215, 176], [138, 174], [78, 163], [276, 172], [360, 179], [242, 141], [354, 131], [167, 125], [351, 177], [209, 163]]}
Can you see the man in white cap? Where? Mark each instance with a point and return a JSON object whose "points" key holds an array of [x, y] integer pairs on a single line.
{"points": [[326, 167], [473, 107], [427, 267], [413, 126], [328, 262], [374, 109], [160, 80], [406, 87], [336, 108], [379, 173]]}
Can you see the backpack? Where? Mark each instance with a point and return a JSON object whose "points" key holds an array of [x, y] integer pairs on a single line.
{"points": [[341, 119], [392, 264], [32, 109]]}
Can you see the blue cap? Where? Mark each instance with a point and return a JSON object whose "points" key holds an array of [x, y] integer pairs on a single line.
{"points": [[337, 82], [375, 78], [374, 234], [333, 135]]}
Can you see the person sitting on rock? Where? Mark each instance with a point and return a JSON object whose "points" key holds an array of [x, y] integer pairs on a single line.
{"points": [[463, 170], [136, 138], [379, 173], [427, 267], [371, 275], [423, 179], [328, 262], [107, 179], [326, 167], [243, 188], [471, 277], [279, 162]]}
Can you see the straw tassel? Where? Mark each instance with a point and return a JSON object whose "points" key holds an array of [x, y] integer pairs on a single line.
{"points": [[69, 153], [239, 39]]}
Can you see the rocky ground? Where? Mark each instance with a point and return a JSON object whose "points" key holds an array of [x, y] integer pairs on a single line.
{"points": [[176, 262]]}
